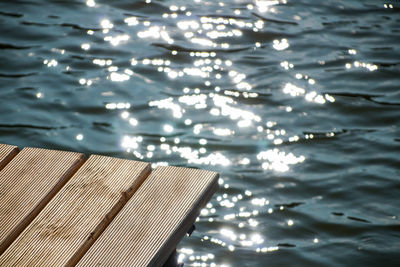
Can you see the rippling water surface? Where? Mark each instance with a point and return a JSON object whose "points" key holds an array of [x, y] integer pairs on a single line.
{"points": [[295, 103]]}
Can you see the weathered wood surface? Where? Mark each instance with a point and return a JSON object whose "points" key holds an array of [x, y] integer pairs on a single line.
{"points": [[76, 216], [54, 211], [155, 219], [7, 152], [27, 183]]}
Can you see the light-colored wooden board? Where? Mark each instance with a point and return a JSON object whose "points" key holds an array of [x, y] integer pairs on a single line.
{"points": [[156, 218], [76, 216], [27, 183], [7, 152]]}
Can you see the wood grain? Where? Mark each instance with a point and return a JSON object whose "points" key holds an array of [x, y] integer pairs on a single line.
{"points": [[76, 216], [156, 218], [7, 152], [28, 183]]}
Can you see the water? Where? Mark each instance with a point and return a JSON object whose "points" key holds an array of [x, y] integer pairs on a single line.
{"points": [[295, 103]]}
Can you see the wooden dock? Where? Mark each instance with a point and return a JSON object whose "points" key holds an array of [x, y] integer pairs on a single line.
{"points": [[59, 209]]}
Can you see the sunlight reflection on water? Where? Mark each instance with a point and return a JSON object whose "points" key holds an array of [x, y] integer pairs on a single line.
{"points": [[197, 46], [294, 103], [223, 83]]}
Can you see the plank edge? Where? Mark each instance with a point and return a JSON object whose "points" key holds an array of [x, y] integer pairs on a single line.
{"points": [[109, 217], [179, 233], [9, 157], [43, 202]]}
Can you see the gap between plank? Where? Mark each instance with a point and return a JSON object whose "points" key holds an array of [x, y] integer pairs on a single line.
{"points": [[9, 157], [108, 218], [20, 227]]}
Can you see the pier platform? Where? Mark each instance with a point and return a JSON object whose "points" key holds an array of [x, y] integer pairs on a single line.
{"points": [[58, 208]]}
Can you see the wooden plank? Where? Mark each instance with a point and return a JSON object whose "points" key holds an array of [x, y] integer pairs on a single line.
{"points": [[156, 218], [7, 152], [76, 216], [28, 183]]}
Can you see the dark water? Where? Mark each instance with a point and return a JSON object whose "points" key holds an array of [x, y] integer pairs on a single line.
{"points": [[295, 103]]}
